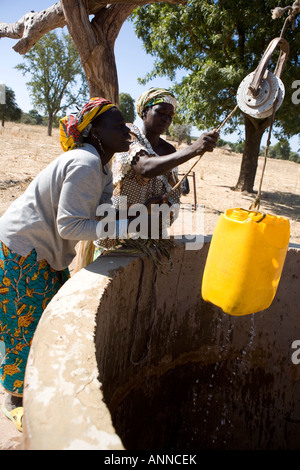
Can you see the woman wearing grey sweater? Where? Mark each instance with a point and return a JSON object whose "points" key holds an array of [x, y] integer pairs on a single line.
{"points": [[39, 232]]}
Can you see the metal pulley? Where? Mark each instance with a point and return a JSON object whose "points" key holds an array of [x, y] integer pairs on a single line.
{"points": [[260, 106], [258, 91]]}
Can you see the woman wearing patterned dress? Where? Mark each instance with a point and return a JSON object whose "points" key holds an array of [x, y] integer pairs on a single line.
{"points": [[149, 169]]}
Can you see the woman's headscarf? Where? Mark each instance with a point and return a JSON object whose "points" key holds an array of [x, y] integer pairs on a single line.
{"points": [[154, 96], [71, 127]]}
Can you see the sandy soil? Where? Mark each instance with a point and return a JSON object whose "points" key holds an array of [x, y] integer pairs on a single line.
{"points": [[218, 172], [25, 150]]}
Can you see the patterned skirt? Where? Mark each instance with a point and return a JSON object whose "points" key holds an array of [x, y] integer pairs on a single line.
{"points": [[26, 287]]}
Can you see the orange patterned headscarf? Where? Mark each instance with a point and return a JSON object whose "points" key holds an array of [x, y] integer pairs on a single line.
{"points": [[71, 127]]}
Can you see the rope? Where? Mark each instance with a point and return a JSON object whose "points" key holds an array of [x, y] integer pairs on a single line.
{"points": [[156, 250], [293, 11], [278, 12], [256, 203], [201, 155]]}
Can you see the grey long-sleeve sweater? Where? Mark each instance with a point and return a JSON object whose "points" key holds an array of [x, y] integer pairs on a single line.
{"points": [[59, 207]]}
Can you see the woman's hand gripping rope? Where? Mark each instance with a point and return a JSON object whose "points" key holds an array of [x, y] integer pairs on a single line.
{"points": [[201, 151]]}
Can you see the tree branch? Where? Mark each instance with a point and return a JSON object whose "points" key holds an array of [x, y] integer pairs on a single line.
{"points": [[32, 26]]}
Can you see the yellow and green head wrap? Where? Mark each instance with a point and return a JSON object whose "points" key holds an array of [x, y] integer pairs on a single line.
{"points": [[72, 126], [154, 96]]}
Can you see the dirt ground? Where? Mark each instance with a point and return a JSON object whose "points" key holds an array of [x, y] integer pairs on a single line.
{"points": [[25, 150]]}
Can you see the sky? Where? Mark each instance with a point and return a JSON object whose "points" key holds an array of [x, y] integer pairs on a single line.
{"points": [[131, 59]]}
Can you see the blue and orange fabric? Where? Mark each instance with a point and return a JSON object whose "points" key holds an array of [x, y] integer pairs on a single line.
{"points": [[72, 126], [26, 287]]}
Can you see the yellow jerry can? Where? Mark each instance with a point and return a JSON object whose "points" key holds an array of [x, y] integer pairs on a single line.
{"points": [[245, 261]]}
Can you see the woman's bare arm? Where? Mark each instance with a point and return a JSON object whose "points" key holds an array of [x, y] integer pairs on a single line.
{"points": [[150, 167]]}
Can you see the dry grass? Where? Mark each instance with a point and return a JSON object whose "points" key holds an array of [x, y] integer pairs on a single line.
{"points": [[25, 150], [218, 172]]}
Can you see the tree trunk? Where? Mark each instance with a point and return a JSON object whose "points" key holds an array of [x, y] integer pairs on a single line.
{"points": [[50, 124], [94, 39], [254, 129], [95, 43]]}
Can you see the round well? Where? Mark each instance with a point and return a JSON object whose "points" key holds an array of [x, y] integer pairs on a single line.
{"points": [[128, 357]]}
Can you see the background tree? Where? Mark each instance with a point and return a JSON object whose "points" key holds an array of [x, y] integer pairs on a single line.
{"points": [[282, 149], [10, 110], [180, 132], [35, 116], [216, 43], [94, 27], [57, 78], [32, 117], [127, 107]]}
